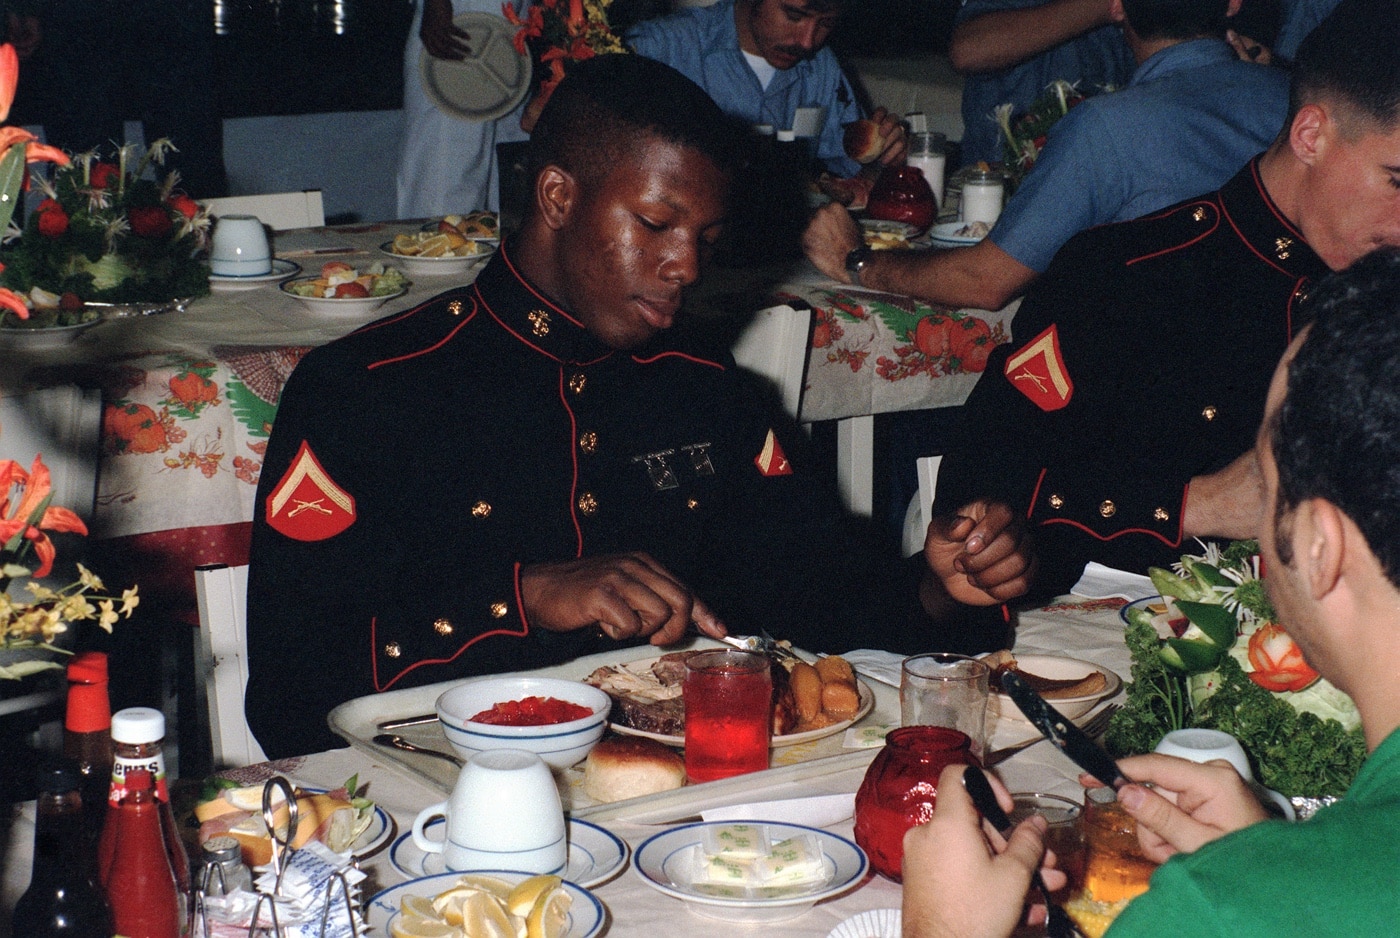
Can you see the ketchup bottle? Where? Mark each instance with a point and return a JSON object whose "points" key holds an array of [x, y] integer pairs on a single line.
{"points": [[140, 884], [87, 734]]}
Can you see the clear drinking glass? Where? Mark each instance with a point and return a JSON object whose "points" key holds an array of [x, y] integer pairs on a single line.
{"points": [[943, 689], [928, 153]]}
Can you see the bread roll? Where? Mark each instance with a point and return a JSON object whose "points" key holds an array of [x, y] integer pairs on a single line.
{"points": [[864, 141], [623, 767]]}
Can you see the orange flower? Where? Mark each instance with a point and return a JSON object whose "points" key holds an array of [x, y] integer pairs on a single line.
{"points": [[13, 301], [32, 515], [34, 151], [9, 78]]}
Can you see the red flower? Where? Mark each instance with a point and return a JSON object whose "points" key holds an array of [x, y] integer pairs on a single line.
{"points": [[184, 205], [104, 174], [53, 220], [971, 343], [1277, 660], [150, 221]]}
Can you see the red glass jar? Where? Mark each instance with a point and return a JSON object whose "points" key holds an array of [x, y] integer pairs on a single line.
{"points": [[903, 194], [901, 787]]}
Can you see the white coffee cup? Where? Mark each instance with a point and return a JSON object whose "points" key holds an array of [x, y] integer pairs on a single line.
{"points": [[239, 247], [1202, 745], [504, 814]]}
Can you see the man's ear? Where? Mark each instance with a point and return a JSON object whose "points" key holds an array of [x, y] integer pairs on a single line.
{"points": [[556, 192], [1311, 132], [1319, 544]]}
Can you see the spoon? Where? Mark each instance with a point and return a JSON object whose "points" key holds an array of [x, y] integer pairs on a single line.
{"points": [[398, 742], [1057, 923]]}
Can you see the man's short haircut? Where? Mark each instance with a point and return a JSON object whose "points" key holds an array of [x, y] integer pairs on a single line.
{"points": [[1176, 19], [1337, 434], [1352, 57], [595, 117]]}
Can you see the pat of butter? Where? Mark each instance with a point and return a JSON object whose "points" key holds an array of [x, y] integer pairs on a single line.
{"points": [[792, 862], [710, 869], [736, 841]]}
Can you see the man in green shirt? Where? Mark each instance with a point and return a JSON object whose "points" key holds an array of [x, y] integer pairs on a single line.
{"points": [[1330, 539]]}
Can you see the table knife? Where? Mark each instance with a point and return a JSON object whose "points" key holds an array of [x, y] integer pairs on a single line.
{"points": [[400, 723], [1067, 737]]}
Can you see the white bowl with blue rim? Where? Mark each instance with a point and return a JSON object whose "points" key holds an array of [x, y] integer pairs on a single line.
{"points": [[560, 745]]}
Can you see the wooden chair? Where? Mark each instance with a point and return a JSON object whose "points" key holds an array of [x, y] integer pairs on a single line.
{"points": [[221, 662], [278, 210]]}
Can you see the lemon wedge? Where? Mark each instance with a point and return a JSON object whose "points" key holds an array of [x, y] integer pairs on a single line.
{"points": [[526, 895], [435, 246], [413, 926], [496, 886], [485, 916], [448, 905], [550, 915], [405, 244], [417, 907]]}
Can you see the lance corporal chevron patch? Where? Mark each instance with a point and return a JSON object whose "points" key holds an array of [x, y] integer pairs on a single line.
{"points": [[1038, 371], [307, 505]]}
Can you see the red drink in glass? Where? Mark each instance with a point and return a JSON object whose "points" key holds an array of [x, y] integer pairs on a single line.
{"points": [[728, 704]]}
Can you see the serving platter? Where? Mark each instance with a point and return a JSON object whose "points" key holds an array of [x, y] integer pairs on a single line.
{"points": [[48, 337]]}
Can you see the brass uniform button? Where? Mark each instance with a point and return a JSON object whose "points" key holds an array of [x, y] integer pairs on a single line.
{"points": [[1208, 412], [692, 504], [455, 307], [442, 626], [1199, 215], [577, 382], [1281, 248], [1057, 502], [588, 442], [1160, 514], [481, 509], [587, 503], [499, 610], [539, 322], [393, 650], [1107, 509]]}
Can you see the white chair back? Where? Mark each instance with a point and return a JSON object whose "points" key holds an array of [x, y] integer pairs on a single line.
{"points": [[278, 210], [221, 662], [920, 511], [774, 345]]}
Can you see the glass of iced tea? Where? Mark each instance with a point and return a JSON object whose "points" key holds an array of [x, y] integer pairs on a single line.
{"points": [[1065, 835], [1114, 868], [728, 719]]}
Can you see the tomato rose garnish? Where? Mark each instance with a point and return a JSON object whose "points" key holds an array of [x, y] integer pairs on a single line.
{"points": [[1278, 661]]}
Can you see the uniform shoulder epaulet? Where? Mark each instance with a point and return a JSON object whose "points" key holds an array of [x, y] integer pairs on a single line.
{"points": [[1171, 229], [409, 332]]}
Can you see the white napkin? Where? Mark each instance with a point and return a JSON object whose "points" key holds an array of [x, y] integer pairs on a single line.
{"points": [[1100, 582], [816, 811], [882, 666]]}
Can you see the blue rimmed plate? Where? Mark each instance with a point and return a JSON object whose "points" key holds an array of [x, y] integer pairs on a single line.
{"points": [[585, 920], [595, 855]]}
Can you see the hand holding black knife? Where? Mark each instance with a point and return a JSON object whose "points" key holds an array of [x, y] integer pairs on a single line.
{"points": [[1061, 731]]}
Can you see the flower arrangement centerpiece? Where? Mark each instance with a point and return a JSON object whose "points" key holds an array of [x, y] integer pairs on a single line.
{"points": [[106, 233], [1023, 135], [33, 625], [555, 32], [18, 148], [1214, 655]]}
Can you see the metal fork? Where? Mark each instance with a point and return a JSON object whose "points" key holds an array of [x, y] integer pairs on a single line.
{"points": [[1094, 726], [762, 643]]}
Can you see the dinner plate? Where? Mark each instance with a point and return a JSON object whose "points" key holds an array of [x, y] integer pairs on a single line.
{"points": [[489, 82], [585, 919], [663, 862], [889, 227], [1056, 667], [281, 270], [350, 304], [867, 703], [595, 855], [947, 233]]}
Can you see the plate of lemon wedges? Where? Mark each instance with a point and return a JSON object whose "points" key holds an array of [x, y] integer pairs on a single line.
{"points": [[442, 248], [488, 902]]}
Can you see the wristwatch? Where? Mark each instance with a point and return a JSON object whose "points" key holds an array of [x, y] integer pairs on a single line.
{"points": [[857, 260]]}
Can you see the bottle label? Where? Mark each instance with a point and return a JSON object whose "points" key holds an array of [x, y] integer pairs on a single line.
{"points": [[153, 764]]}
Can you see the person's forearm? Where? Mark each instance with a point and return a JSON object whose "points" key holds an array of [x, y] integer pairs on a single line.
{"points": [[980, 277], [1008, 37]]}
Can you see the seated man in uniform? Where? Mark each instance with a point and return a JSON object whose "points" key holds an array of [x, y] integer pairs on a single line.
{"points": [[1331, 553], [536, 466], [761, 60], [1189, 119], [1110, 425]]}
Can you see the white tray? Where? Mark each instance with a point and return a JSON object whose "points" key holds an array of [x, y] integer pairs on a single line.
{"points": [[358, 721]]}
